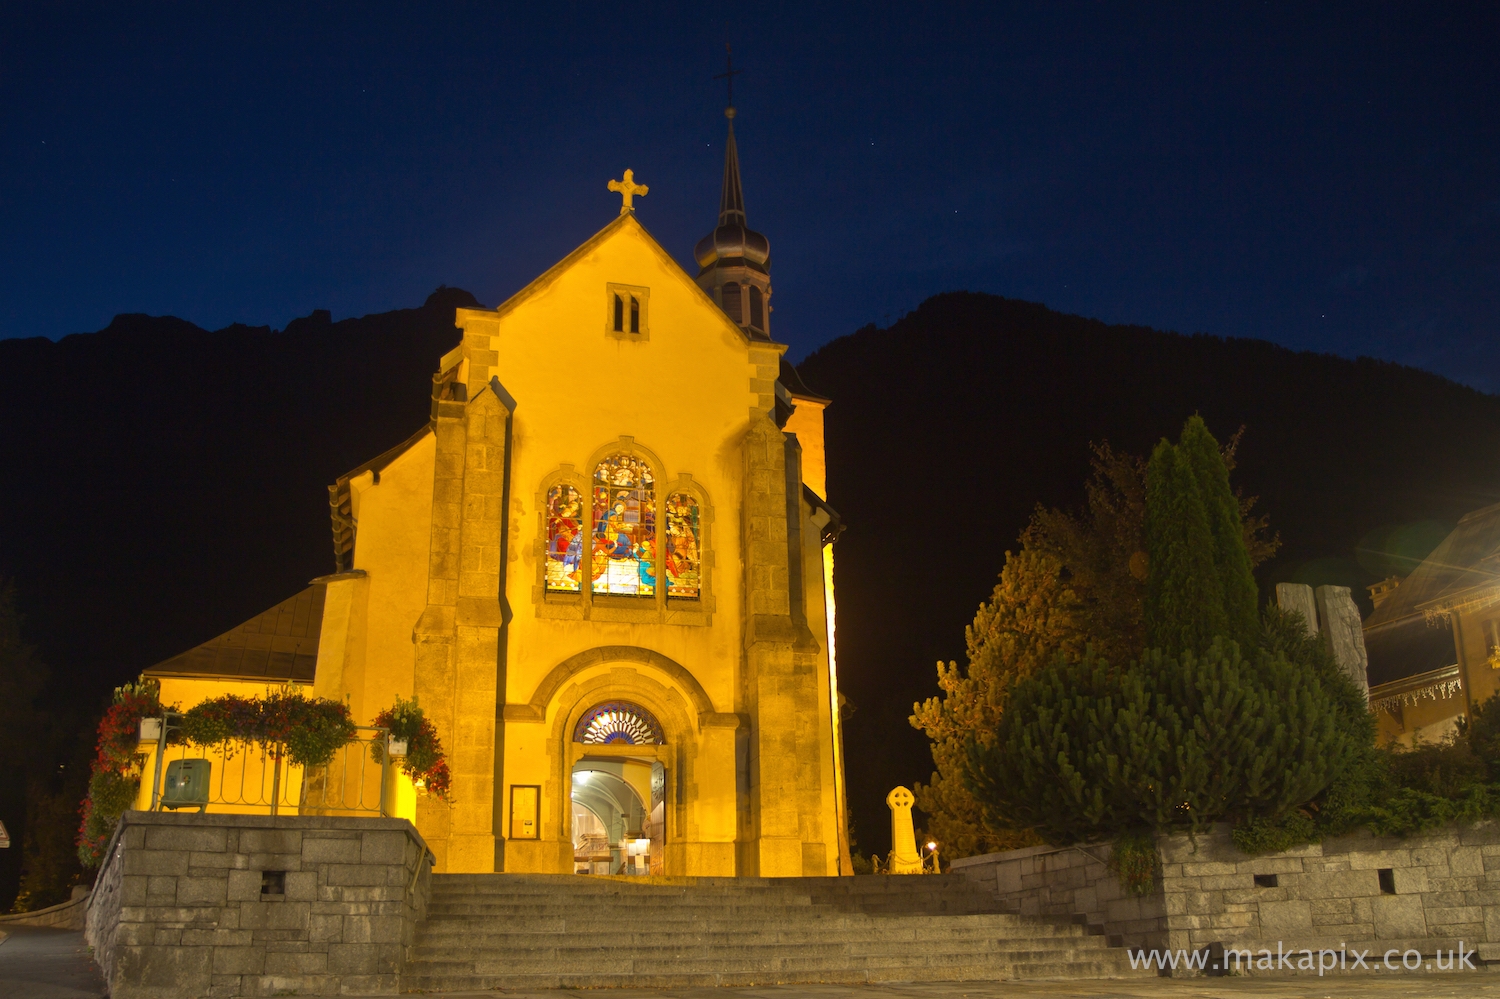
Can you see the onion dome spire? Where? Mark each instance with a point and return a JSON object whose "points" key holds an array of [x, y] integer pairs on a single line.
{"points": [[734, 261]]}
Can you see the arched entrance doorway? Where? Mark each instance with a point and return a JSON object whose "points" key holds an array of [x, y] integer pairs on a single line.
{"points": [[619, 783]]}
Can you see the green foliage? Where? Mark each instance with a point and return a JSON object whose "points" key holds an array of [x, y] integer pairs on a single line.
{"points": [[1031, 616], [308, 731], [1481, 730], [1085, 751], [1184, 596], [1134, 861], [424, 762], [116, 769], [1230, 557]]}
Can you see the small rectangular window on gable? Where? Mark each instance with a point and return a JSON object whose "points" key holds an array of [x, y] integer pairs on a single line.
{"points": [[628, 309]]}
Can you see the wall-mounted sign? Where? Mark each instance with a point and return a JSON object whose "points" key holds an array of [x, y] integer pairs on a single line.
{"points": [[4, 837], [525, 804]]}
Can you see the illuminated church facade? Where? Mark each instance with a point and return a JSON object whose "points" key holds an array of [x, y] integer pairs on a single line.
{"points": [[604, 568]]}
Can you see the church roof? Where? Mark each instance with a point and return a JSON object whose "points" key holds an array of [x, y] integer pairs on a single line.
{"points": [[1409, 632], [791, 379], [279, 644]]}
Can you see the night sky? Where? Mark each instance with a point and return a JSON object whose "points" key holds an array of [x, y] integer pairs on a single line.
{"points": [[1323, 176]]}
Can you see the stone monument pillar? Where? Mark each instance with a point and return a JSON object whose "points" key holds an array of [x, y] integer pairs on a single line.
{"points": [[1344, 633], [904, 857], [1299, 597]]}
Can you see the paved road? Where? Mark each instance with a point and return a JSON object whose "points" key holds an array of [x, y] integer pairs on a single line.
{"points": [[38, 963]]}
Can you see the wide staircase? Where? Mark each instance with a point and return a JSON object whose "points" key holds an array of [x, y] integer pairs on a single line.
{"points": [[490, 931]]}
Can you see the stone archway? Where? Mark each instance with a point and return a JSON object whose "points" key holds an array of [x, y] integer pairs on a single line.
{"points": [[657, 766]]}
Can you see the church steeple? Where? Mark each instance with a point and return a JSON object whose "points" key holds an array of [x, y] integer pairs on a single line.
{"points": [[732, 201], [734, 261]]}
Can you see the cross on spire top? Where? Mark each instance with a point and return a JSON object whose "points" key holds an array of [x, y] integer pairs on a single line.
{"points": [[728, 77], [628, 189]]}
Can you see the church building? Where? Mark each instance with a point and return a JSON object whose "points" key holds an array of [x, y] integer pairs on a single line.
{"points": [[603, 568]]}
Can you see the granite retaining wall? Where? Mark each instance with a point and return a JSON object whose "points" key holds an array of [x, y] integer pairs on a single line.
{"points": [[1073, 882], [249, 905], [1429, 893]]}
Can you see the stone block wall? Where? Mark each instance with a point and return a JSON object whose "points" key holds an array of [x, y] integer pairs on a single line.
{"points": [[1072, 882], [1361, 892], [67, 915], [253, 905], [1364, 892]]}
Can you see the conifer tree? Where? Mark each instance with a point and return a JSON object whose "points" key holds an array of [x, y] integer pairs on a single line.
{"points": [[1231, 560], [1184, 596], [1031, 618], [1171, 742]]}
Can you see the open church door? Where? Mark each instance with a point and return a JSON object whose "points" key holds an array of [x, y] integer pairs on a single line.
{"points": [[656, 826]]}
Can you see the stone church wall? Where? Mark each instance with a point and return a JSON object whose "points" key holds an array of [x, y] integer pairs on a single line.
{"points": [[184, 906], [1427, 893]]}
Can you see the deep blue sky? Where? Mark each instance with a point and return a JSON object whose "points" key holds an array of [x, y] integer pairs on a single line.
{"points": [[1323, 176]]}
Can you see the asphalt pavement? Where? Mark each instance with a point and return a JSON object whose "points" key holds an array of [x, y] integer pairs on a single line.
{"points": [[38, 963]]}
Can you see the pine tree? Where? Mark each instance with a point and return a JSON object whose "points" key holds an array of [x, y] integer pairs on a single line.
{"points": [[1030, 619], [1231, 560], [1171, 742], [1184, 596]]}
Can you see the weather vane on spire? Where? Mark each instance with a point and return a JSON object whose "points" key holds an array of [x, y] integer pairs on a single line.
{"points": [[728, 77], [628, 189]]}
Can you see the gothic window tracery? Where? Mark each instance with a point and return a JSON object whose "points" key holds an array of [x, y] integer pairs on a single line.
{"points": [[615, 722], [624, 527]]}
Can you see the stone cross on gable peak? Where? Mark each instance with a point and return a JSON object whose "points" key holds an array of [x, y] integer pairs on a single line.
{"points": [[628, 189]]}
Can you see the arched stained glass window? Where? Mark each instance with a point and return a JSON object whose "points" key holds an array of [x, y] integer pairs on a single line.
{"points": [[564, 539], [624, 538], [683, 554], [618, 722]]}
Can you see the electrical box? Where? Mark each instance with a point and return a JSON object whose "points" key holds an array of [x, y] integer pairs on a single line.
{"points": [[186, 785]]}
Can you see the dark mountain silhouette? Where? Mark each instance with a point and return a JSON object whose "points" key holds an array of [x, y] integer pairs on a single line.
{"points": [[949, 427], [162, 483]]}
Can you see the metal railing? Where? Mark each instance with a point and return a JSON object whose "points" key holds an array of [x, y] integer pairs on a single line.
{"points": [[248, 778]]}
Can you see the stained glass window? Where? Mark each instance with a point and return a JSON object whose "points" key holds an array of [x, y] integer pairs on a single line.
{"points": [[624, 539], [564, 539], [683, 547], [618, 722]]}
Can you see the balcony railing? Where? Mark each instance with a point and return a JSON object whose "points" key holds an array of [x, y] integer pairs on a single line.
{"points": [[247, 778]]}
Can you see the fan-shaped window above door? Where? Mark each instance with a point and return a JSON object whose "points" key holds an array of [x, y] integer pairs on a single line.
{"points": [[618, 722]]}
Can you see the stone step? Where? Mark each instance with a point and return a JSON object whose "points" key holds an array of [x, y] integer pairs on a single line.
{"points": [[873, 928], [683, 909], [804, 959], [1095, 969], [865, 952], [484, 932], [519, 884]]}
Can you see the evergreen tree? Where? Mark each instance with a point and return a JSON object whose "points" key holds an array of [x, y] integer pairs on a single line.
{"points": [[1031, 617], [1171, 742], [1184, 597], [1079, 580], [1231, 560]]}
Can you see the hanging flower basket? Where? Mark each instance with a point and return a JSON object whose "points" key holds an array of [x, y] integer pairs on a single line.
{"points": [[423, 760]]}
